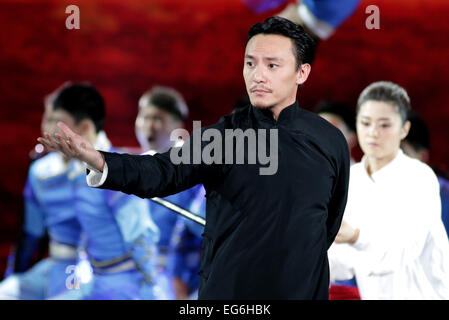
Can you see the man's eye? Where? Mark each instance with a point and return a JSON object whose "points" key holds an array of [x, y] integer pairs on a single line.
{"points": [[365, 124], [272, 65], [249, 63], [385, 125]]}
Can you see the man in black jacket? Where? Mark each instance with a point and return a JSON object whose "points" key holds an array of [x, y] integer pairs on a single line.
{"points": [[267, 232]]}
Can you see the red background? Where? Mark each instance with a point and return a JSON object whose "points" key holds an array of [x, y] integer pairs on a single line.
{"points": [[196, 46]]}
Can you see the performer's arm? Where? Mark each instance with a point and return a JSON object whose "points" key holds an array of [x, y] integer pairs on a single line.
{"points": [[33, 230], [320, 18], [401, 242]]}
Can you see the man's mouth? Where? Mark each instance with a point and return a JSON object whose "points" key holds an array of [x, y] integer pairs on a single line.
{"points": [[260, 91]]}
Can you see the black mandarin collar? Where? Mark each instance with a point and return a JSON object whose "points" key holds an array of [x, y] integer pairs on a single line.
{"points": [[286, 116]]}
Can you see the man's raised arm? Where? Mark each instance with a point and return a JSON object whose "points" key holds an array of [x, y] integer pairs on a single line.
{"points": [[73, 146], [142, 175]]}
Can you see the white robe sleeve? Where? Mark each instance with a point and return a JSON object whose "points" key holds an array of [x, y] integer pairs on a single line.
{"points": [[388, 250], [341, 262]]}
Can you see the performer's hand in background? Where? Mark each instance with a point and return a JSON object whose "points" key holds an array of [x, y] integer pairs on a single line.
{"points": [[73, 146], [347, 234], [291, 13]]}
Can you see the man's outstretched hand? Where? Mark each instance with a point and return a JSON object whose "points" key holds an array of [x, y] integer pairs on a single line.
{"points": [[73, 146]]}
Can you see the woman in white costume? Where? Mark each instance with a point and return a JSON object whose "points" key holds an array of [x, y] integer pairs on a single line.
{"points": [[392, 238]]}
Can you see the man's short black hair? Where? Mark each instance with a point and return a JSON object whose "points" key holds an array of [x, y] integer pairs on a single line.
{"points": [[339, 109], [304, 45], [82, 101]]}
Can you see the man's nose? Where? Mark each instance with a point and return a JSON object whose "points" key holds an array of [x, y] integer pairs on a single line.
{"points": [[149, 124], [259, 74]]}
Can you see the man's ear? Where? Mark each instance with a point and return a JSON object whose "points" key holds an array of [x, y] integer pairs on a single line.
{"points": [[303, 73]]}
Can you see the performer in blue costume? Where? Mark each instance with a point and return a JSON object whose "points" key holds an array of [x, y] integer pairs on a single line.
{"points": [[120, 235], [319, 17], [187, 242], [161, 111], [48, 198]]}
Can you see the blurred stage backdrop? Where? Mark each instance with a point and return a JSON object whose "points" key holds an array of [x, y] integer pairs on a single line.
{"points": [[196, 46]]}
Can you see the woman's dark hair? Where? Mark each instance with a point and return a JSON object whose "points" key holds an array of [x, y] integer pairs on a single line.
{"points": [[303, 44], [388, 92], [167, 99], [81, 101]]}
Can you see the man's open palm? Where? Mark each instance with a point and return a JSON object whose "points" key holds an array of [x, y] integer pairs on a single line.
{"points": [[73, 145]]}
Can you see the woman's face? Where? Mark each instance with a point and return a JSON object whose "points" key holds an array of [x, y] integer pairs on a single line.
{"points": [[380, 130]]}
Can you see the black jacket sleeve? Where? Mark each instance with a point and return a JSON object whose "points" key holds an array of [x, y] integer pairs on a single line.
{"points": [[158, 176], [337, 203]]}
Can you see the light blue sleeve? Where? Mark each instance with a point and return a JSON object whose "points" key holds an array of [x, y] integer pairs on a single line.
{"points": [[139, 231], [34, 222], [197, 206], [133, 217]]}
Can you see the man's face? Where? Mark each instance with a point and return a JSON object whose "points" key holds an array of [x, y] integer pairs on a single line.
{"points": [[47, 124], [270, 71], [153, 128], [51, 117]]}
